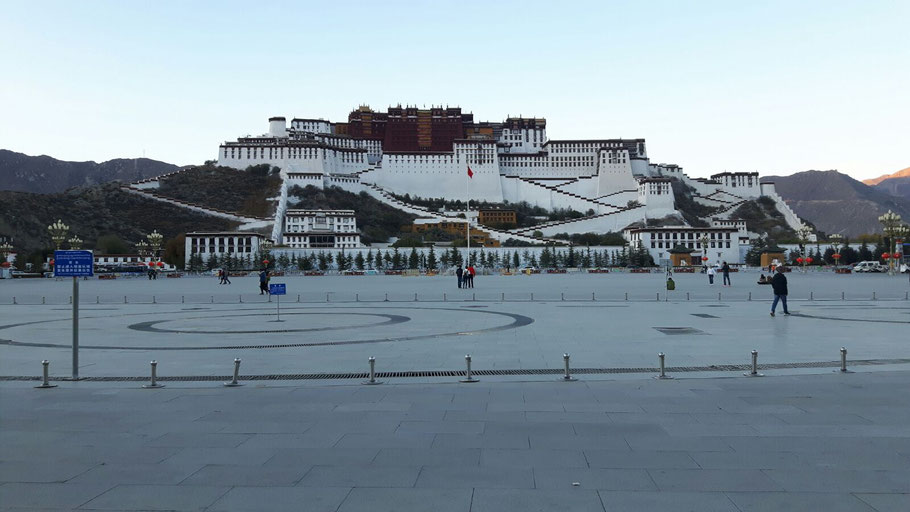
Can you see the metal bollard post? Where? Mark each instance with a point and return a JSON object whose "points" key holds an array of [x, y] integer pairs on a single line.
{"points": [[562, 296], [42, 300], [592, 297], [443, 297], [415, 297], [97, 299], [182, 299], [386, 297], [468, 377], [326, 296], [213, 298], [356, 297], [627, 295], [873, 295], [663, 372], [153, 384], [240, 298], [503, 298], [658, 296], [567, 377], [754, 372], [842, 296], [474, 297], [811, 295], [124, 299], [843, 360], [532, 296], [298, 297], [45, 384], [687, 295], [153, 300], [14, 300], [750, 296], [372, 381], [234, 383], [718, 296]]}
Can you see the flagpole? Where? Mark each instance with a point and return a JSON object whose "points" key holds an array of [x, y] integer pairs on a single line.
{"points": [[467, 215]]}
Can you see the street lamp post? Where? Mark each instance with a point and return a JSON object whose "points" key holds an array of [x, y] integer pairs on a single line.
{"points": [[75, 243], [836, 241], [5, 250], [891, 222], [803, 234], [58, 231], [704, 249]]}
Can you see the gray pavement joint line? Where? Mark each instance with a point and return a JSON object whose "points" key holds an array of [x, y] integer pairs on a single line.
{"points": [[461, 373], [733, 503]]}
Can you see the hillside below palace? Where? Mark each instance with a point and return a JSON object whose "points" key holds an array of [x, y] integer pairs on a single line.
{"points": [[427, 153]]}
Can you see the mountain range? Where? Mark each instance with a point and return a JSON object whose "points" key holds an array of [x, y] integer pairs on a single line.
{"points": [[46, 175], [837, 203]]}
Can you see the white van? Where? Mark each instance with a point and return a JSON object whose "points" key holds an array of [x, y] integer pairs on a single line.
{"points": [[869, 266]]}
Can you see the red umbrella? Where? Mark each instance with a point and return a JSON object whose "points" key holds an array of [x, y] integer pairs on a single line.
{"points": [[809, 260], [799, 260], [886, 255], [5, 264], [704, 258], [835, 256], [160, 263], [265, 262]]}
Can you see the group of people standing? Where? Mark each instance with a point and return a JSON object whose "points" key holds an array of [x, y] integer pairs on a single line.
{"points": [[465, 276], [725, 270]]}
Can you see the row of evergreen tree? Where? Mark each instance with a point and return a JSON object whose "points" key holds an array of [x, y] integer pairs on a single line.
{"points": [[428, 260], [848, 255]]}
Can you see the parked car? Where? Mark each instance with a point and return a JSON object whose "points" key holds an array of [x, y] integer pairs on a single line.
{"points": [[869, 266]]}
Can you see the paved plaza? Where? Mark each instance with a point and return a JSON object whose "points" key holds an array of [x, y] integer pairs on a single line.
{"points": [[303, 433]]}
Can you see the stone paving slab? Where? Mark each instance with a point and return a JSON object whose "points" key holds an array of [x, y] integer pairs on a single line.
{"points": [[176, 449]]}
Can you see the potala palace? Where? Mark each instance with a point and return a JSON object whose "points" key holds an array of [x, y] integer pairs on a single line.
{"points": [[427, 152]]}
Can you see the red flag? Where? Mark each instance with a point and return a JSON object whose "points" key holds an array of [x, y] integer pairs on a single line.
{"points": [[470, 173]]}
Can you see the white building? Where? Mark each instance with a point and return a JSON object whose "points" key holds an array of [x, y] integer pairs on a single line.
{"points": [[307, 229], [611, 180], [217, 244], [723, 243]]}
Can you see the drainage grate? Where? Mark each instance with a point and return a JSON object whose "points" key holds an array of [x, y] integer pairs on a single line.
{"points": [[704, 315], [679, 330], [461, 373]]}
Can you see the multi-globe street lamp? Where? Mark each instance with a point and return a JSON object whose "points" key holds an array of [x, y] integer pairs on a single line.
{"points": [[704, 249], [5, 250], [891, 222], [803, 234], [58, 231], [75, 243], [836, 241]]}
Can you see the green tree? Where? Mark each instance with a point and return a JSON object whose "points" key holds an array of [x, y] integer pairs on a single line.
{"points": [[413, 259], [516, 259], [323, 261], [570, 258], [546, 258], [444, 259], [370, 260], [359, 261], [431, 259], [396, 259], [283, 261]]}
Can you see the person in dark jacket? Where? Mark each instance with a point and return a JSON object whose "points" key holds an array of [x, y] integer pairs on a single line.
{"points": [[459, 272], [779, 286], [726, 271]]}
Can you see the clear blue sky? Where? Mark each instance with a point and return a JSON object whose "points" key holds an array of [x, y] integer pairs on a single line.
{"points": [[777, 87]]}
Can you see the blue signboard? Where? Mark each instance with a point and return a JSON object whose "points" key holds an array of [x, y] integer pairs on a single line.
{"points": [[73, 264], [277, 289]]}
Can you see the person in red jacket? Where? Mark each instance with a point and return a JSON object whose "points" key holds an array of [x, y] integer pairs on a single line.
{"points": [[470, 273]]}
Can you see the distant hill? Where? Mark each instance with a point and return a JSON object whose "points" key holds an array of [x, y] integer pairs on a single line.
{"points": [[253, 191], [899, 187], [92, 212], [837, 203], [903, 173], [45, 175]]}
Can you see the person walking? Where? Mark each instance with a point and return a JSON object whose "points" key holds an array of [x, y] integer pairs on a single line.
{"points": [[470, 274], [726, 271], [459, 273], [711, 273], [221, 276], [779, 286], [227, 277], [263, 282]]}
